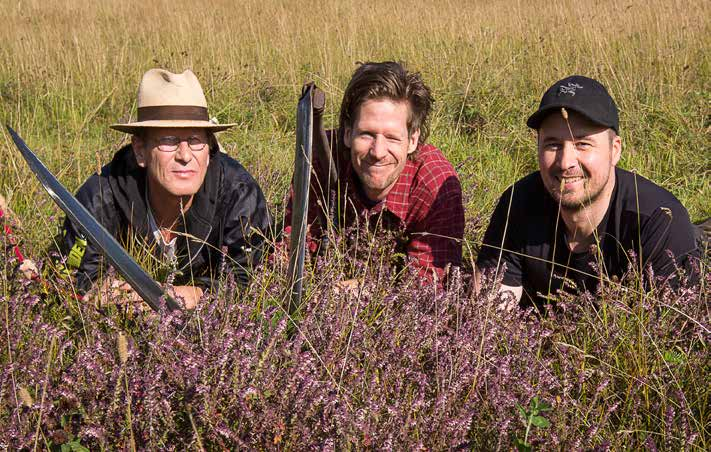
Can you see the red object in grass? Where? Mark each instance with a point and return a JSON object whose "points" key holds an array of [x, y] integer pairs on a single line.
{"points": [[8, 233]]}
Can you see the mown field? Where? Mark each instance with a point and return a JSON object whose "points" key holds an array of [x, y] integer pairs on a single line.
{"points": [[393, 366]]}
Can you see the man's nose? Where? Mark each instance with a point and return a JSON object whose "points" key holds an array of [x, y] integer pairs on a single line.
{"points": [[568, 155], [183, 153], [379, 147]]}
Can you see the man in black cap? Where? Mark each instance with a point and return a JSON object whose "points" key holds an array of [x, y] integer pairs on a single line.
{"points": [[575, 221]]}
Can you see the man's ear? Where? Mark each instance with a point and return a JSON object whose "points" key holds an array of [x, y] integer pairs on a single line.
{"points": [[616, 149], [347, 136], [139, 150], [413, 140]]}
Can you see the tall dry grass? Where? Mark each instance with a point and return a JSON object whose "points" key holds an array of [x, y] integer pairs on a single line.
{"points": [[68, 69]]}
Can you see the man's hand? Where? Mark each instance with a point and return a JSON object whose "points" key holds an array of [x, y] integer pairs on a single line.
{"points": [[319, 98], [29, 269], [114, 291], [510, 295], [349, 285], [190, 294], [117, 292]]}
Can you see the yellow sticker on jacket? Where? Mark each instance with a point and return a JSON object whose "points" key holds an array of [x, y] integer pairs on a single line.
{"points": [[76, 253]]}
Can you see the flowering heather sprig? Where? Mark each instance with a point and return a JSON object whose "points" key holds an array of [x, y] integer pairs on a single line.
{"points": [[391, 365]]}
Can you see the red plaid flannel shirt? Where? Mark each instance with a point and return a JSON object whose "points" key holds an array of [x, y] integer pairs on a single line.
{"points": [[426, 202]]}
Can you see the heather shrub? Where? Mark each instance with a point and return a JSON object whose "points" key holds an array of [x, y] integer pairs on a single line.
{"points": [[392, 366]]}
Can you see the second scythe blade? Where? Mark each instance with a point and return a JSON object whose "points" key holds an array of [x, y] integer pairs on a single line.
{"points": [[302, 182]]}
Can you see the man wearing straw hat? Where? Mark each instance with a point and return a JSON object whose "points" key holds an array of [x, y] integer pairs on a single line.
{"points": [[573, 223], [171, 197]]}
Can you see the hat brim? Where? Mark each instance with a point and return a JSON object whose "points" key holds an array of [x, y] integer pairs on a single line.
{"points": [[133, 127], [535, 120]]}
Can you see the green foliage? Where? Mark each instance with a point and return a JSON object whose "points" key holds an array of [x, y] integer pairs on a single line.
{"points": [[673, 357], [73, 446], [532, 417]]}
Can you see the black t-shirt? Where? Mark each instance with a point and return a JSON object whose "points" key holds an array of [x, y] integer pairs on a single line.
{"points": [[642, 217]]}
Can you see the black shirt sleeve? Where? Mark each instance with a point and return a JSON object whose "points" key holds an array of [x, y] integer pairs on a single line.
{"points": [[499, 246], [668, 230]]}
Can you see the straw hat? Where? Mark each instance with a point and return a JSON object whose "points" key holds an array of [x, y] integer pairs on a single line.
{"points": [[170, 100]]}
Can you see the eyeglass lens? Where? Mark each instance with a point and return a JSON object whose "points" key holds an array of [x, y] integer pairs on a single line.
{"points": [[171, 143]]}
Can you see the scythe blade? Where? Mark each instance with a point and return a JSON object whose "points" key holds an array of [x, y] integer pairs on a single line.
{"points": [[134, 275], [302, 181]]}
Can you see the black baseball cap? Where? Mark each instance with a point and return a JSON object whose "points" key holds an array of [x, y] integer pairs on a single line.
{"points": [[582, 95]]}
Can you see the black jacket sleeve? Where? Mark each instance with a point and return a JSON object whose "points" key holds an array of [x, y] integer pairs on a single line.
{"points": [[246, 225]]}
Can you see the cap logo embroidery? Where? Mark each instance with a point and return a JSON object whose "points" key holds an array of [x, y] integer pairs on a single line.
{"points": [[569, 88]]}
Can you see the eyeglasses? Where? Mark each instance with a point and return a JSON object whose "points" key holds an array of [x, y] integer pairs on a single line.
{"points": [[171, 143]]}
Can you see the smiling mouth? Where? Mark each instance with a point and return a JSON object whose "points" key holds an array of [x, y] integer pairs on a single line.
{"points": [[376, 169], [378, 164], [569, 179], [566, 184]]}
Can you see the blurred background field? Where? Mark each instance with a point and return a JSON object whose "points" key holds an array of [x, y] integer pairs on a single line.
{"points": [[68, 69]]}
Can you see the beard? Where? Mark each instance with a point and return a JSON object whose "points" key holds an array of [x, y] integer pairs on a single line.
{"points": [[379, 183], [590, 194], [580, 203], [375, 183]]}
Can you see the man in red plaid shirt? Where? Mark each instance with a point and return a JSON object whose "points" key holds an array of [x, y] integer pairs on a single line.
{"points": [[387, 174]]}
